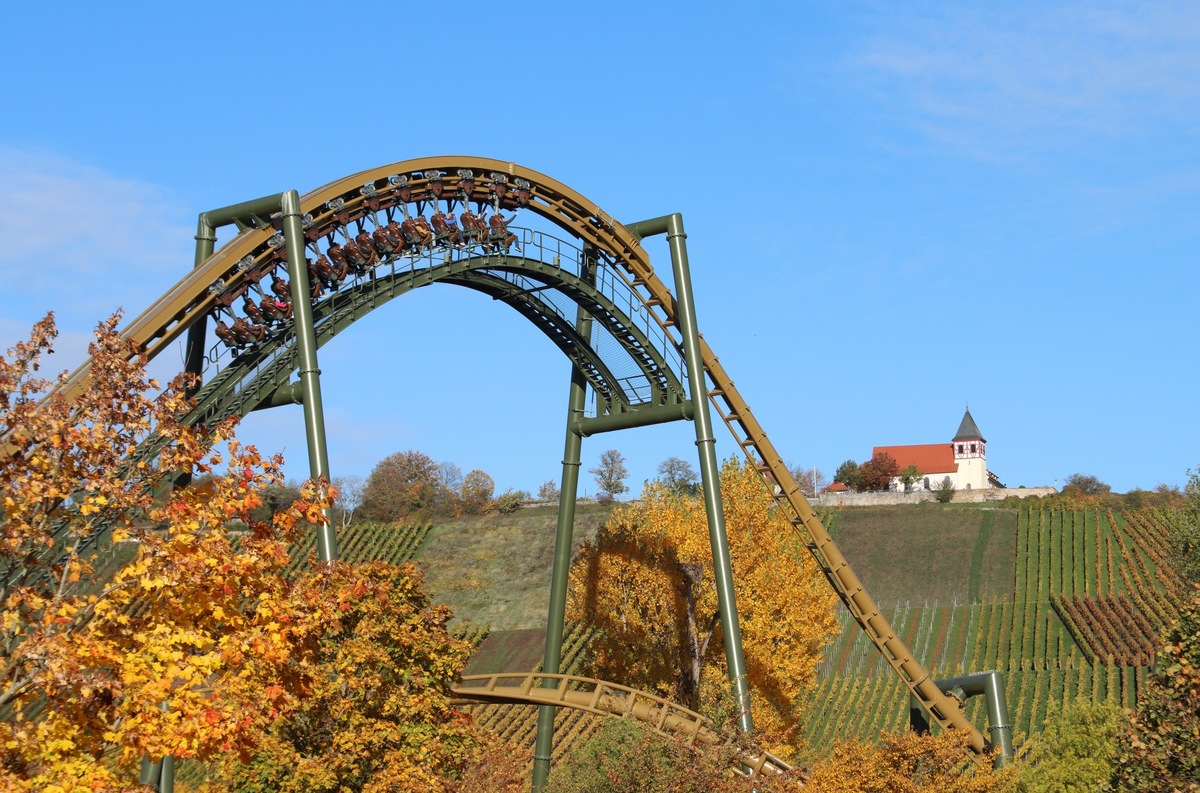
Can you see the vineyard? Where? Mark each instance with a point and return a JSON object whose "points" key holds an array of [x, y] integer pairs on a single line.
{"points": [[366, 542], [359, 542], [519, 724], [1090, 591], [1067, 604]]}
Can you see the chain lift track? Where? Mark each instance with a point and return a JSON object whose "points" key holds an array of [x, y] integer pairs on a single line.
{"points": [[334, 207]]}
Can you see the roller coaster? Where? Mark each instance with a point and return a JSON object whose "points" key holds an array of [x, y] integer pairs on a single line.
{"points": [[306, 268]]}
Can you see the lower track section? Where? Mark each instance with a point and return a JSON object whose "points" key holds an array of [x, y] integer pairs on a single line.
{"points": [[604, 699]]}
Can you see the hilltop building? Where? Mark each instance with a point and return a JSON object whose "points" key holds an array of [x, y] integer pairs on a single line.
{"points": [[963, 459]]}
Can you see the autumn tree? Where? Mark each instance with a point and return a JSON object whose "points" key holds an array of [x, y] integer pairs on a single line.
{"points": [[134, 625], [1184, 531], [349, 497], [477, 491], [646, 586], [131, 627], [548, 491], [678, 476], [909, 762], [510, 501], [848, 474], [448, 493], [375, 714], [877, 473], [449, 477], [1086, 485], [610, 475], [1158, 753], [402, 485], [495, 767], [624, 755]]}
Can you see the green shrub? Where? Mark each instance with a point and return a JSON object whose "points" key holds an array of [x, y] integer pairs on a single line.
{"points": [[510, 501]]}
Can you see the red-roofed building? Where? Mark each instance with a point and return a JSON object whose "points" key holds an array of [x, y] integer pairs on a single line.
{"points": [[963, 460]]}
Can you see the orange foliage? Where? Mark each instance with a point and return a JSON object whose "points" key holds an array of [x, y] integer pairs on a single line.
{"points": [[182, 650], [908, 762], [496, 768], [646, 585], [131, 628], [372, 714]]}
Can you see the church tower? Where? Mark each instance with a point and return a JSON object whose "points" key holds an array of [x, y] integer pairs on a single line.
{"points": [[970, 454]]}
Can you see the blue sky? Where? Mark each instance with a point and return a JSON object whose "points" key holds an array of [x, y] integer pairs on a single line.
{"points": [[893, 210]]}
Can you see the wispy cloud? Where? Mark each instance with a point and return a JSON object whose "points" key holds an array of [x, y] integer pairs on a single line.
{"points": [[1000, 80], [82, 242]]}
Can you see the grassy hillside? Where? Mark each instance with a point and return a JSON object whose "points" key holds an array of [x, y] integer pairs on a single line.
{"points": [[495, 570]]}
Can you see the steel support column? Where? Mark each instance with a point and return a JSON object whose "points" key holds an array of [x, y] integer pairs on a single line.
{"points": [[159, 774], [151, 773], [685, 312], [206, 240], [567, 493], [166, 781], [310, 374], [991, 686], [244, 215]]}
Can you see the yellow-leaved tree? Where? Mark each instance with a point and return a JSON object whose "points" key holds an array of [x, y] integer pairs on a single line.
{"points": [[646, 585], [374, 715], [908, 762], [133, 626], [129, 627]]}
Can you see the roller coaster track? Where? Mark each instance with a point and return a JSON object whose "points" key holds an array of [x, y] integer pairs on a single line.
{"points": [[612, 278], [604, 699]]}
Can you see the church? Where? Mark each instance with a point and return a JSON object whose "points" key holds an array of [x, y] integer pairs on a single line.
{"points": [[963, 459]]}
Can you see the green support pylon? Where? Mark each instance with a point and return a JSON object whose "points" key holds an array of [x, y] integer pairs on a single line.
{"points": [[557, 612], [310, 374], [685, 313], [161, 773], [990, 685], [244, 215]]}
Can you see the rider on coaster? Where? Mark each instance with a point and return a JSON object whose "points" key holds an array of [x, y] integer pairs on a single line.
{"points": [[498, 233], [251, 309], [442, 231], [455, 233], [275, 309], [471, 224]]}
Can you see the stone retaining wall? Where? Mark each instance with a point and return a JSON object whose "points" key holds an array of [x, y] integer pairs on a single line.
{"points": [[850, 499]]}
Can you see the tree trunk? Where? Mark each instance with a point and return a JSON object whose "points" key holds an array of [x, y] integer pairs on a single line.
{"points": [[689, 675]]}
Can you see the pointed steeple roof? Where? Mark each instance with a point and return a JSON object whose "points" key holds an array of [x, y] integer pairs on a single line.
{"points": [[968, 430]]}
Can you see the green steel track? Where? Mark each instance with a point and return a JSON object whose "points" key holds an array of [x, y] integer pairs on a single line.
{"points": [[249, 378]]}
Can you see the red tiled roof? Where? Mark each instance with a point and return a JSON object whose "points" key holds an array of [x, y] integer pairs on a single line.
{"points": [[836, 487], [931, 458]]}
